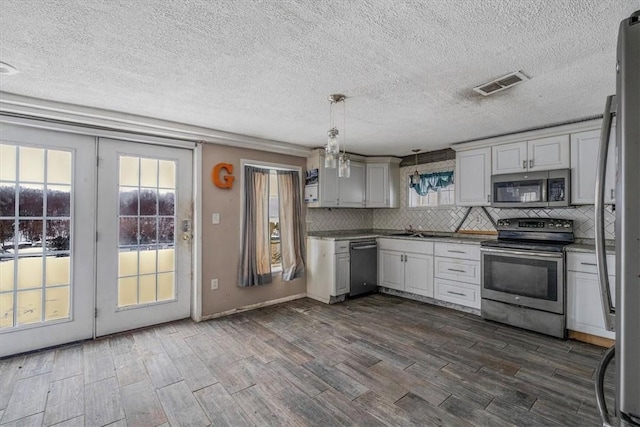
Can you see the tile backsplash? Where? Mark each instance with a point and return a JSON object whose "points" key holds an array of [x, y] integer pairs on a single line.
{"points": [[447, 218], [332, 219]]}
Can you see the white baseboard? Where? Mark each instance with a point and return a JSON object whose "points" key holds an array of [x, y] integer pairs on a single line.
{"points": [[253, 306]]}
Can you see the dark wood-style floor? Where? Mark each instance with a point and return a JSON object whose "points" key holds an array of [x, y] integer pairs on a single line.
{"points": [[372, 361]]}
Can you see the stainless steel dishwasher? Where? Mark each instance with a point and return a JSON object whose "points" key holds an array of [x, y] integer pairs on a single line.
{"points": [[364, 267]]}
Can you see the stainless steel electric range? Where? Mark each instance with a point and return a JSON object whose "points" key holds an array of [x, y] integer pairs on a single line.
{"points": [[523, 274]]}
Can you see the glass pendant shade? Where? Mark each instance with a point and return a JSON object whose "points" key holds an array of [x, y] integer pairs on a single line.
{"points": [[344, 166], [415, 178], [329, 160], [333, 145]]}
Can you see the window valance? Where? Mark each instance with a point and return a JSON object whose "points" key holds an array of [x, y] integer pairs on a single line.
{"points": [[433, 182]]}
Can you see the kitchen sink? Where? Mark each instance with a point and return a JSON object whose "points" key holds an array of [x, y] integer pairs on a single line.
{"points": [[414, 234]]}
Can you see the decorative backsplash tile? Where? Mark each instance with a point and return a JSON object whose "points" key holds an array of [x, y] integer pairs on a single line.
{"points": [[331, 219], [447, 218]]}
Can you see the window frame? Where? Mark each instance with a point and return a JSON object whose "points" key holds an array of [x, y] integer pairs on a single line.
{"points": [[411, 191], [265, 165]]}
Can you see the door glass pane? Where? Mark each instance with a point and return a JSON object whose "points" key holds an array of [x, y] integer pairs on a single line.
{"points": [[57, 303], [166, 174], [128, 201], [127, 291], [31, 164], [7, 198], [29, 307], [59, 167], [147, 288], [7, 162], [148, 201], [58, 200], [129, 171], [35, 235], [166, 202], [30, 200], [58, 270], [149, 173], [147, 231]]}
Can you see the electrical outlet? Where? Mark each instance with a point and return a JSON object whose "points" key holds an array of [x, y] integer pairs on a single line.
{"points": [[214, 284], [215, 218]]}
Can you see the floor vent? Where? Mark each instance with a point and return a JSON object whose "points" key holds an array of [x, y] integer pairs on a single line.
{"points": [[501, 83]]}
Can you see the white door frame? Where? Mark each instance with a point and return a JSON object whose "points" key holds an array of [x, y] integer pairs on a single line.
{"points": [[196, 304]]}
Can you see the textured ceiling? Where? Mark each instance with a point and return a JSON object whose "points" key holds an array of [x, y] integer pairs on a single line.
{"points": [[265, 68]]}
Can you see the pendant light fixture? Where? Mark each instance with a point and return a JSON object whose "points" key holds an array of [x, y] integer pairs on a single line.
{"points": [[344, 163], [333, 157], [415, 178]]}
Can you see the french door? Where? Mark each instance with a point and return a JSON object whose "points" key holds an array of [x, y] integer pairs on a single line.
{"points": [[144, 224], [47, 253]]}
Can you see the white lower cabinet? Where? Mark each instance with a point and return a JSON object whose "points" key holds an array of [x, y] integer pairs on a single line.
{"points": [[584, 301], [457, 292], [328, 269], [410, 270], [457, 274], [343, 273], [418, 274]]}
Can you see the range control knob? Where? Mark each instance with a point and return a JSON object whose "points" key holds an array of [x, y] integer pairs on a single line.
{"points": [[567, 225]]}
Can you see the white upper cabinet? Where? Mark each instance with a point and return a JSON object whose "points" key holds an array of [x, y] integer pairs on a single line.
{"points": [[473, 177], [548, 153], [539, 154], [383, 183], [328, 183], [509, 158], [584, 164], [334, 192], [377, 185], [352, 189]]}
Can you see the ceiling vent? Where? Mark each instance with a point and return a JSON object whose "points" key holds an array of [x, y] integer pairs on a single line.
{"points": [[501, 83]]}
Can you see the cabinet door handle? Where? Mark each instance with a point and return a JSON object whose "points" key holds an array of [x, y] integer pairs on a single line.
{"points": [[456, 270], [531, 163], [613, 193], [456, 252], [589, 263], [524, 164], [457, 293]]}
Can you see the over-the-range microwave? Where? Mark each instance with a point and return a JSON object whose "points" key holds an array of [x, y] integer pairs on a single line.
{"points": [[545, 189]]}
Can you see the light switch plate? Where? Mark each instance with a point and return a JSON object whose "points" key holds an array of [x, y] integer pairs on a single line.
{"points": [[214, 284], [215, 218]]}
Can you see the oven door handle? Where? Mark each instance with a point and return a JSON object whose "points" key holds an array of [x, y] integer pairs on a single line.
{"points": [[523, 253]]}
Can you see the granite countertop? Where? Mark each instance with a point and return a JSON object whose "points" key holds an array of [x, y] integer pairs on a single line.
{"points": [[589, 246], [432, 235]]}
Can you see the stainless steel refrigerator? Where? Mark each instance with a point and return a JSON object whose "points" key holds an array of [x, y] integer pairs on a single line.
{"points": [[624, 316]]}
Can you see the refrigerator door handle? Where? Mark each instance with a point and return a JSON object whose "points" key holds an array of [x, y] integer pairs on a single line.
{"points": [[601, 260], [600, 374]]}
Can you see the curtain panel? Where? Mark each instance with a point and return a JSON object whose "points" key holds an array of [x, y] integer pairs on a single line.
{"points": [[291, 226], [432, 182], [255, 261]]}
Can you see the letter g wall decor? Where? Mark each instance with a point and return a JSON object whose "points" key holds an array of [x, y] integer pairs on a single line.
{"points": [[227, 179]]}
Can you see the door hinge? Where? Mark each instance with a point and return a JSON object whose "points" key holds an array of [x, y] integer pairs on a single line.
{"points": [[95, 313], [96, 236]]}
